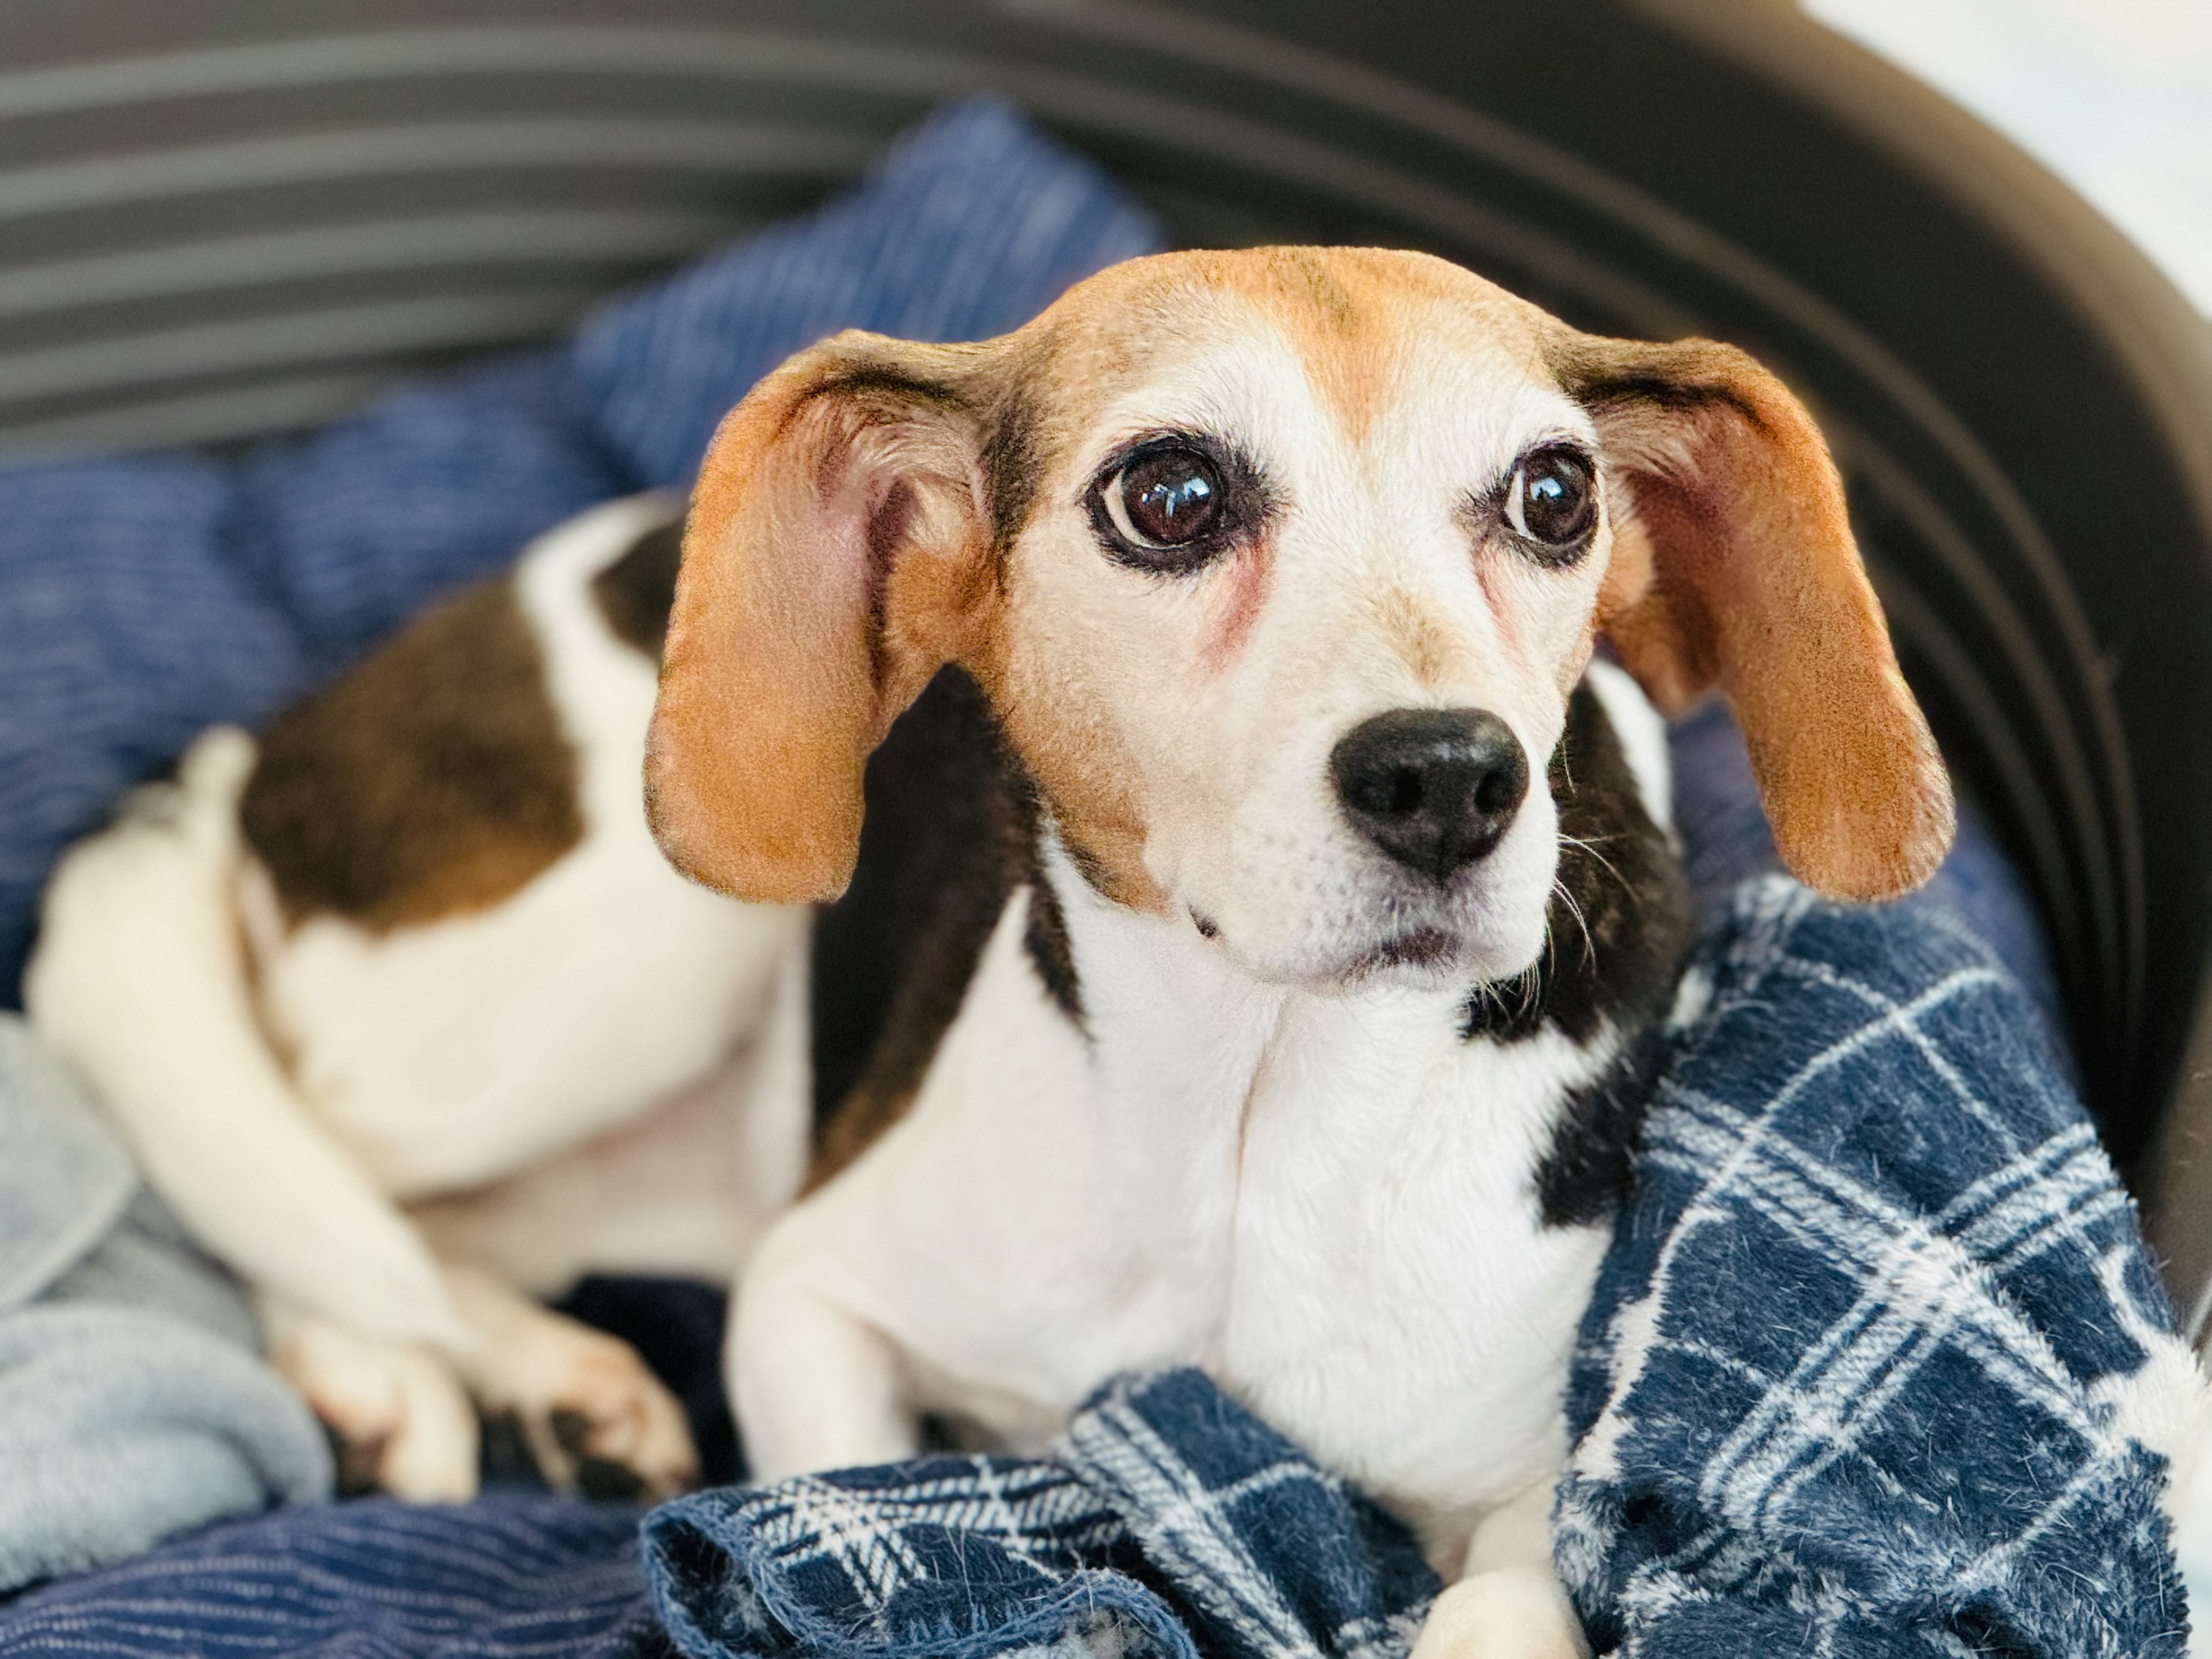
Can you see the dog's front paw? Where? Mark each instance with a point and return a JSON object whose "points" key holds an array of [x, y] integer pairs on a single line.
{"points": [[1509, 1612], [598, 1420], [403, 1420], [590, 1413]]}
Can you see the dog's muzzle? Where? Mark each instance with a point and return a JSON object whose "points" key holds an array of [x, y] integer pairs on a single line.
{"points": [[1434, 788]]}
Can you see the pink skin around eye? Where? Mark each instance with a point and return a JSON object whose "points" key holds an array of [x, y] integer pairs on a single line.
{"points": [[1235, 606], [1495, 589]]}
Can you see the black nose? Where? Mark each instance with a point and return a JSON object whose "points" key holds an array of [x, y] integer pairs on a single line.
{"points": [[1435, 788]]}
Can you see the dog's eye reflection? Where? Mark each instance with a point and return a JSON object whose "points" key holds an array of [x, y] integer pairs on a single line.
{"points": [[1552, 501], [1165, 498]]}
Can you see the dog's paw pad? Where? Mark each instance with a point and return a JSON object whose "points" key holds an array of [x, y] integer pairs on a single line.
{"points": [[596, 1419]]}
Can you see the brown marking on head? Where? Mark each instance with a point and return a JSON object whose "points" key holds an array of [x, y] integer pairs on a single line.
{"points": [[1733, 564], [1332, 303], [432, 779], [1425, 641]]}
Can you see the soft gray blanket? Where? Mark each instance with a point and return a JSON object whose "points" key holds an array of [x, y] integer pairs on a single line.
{"points": [[134, 1404]]}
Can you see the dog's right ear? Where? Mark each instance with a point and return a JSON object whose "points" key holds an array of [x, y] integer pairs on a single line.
{"points": [[835, 559]]}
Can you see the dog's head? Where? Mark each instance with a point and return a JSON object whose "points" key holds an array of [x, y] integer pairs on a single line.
{"points": [[1279, 568]]}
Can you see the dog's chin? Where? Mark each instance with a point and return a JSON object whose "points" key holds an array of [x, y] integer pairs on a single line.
{"points": [[1428, 957], [1408, 955]]}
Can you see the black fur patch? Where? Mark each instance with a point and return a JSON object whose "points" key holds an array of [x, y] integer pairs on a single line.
{"points": [[637, 591], [1617, 928], [1010, 468], [950, 834]]}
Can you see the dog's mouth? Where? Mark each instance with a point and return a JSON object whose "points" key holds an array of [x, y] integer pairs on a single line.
{"points": [[1419, 947]]}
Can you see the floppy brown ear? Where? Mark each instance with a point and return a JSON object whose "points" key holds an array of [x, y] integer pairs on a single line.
{"points": [[1735, 564], [832, 561]]}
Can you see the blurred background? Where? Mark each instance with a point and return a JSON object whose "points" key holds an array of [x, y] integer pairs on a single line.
{"points": [[2114, 96]]}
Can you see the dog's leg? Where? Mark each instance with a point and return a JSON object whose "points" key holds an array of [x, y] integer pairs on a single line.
{"points": [[815, 1387], [1508, 1604], [140, 978], [1508, 1612], [404, 1421], [594, 1415]]}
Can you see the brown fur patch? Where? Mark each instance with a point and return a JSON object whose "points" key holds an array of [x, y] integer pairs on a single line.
{"points": [[833, 552], [1332, 305], [432, 780], [634, 594]]}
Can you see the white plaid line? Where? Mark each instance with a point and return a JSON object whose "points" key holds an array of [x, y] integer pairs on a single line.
{"points": [[1916, 1290], [1699, 1129], [1390, 1638], [1894, 1251], [1019, 1530], [1709, 1206], [1820, 973], [1184, 1518], [825, 1522], [2020, 1175], [1987, 1570], [1920, 1293], [1720, 1359], [2079, 1191], [1288, 1473]]}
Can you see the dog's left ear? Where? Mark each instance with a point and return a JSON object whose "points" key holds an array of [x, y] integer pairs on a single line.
{"points": [[833, 561], [1734, 563]]}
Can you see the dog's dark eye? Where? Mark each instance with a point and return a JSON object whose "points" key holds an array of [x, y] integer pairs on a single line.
{"points": [[1165, 498], [1551, 501], [1164, 507]]}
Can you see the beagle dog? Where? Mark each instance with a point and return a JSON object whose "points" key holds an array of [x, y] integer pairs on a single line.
{"points": [[409, 1020], [1286, 1008]]}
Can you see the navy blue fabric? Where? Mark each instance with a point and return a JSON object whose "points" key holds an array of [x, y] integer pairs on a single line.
{"points": [[501, 1578], [144, 599], [1866, 1364], [1864, 1373]]}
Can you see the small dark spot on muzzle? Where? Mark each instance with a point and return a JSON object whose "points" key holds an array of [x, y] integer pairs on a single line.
{"points": [[1434, 788]]}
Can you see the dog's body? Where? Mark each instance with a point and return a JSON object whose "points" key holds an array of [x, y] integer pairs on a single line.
{"points": [[1120, 1151], [416, 948], [1297, 1034]]}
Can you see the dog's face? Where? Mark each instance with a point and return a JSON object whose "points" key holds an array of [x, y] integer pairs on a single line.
{"points": [[1288, 629], [1279, 568]]}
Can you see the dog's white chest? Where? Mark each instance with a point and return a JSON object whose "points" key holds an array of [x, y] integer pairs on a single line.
{"points": [[1328, 1203], [1396, 1305]]}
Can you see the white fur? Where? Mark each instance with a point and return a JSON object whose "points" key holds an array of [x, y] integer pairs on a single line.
{"points": [[1643, 737], [140, 979]]}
